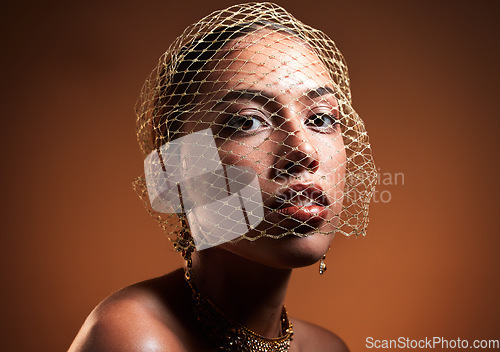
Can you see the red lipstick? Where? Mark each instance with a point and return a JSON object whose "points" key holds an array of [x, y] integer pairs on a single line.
{"points": [[306, 203], [311, 213]]}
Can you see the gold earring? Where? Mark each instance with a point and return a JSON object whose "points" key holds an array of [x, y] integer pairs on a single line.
{"points": [[185, 244], [322, 265]]}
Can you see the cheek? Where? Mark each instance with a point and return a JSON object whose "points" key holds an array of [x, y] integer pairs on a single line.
{"points": [[260, 159], [333, 162], [332, 153], [247, 154]]}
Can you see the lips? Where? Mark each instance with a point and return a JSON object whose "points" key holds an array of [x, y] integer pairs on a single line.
{"points": [[311, 213], [302, 202]]}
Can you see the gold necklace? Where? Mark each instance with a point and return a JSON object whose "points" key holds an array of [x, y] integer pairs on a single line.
{"points": [[229, 336]]}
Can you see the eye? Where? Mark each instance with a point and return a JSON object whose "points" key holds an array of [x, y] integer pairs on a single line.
{"points": [[245, 123], [322, 121]]}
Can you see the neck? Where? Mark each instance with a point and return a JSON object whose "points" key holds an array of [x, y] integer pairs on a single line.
{"points": [[249, 293]]}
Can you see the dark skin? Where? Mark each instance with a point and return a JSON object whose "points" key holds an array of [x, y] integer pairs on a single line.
{"points": [[156, 315], [246, 280]]}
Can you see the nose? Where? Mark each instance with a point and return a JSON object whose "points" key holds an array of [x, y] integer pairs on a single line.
{"points": [[296, 152]]}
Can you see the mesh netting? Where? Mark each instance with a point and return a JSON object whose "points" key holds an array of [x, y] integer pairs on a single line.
{"points": [[247, 130]]}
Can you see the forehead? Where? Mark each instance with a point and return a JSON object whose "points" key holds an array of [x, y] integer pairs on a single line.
{"points": [[266, 60]]}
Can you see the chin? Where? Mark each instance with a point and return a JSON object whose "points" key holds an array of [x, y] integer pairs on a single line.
{"points": [[288, 252], [298, 251]]}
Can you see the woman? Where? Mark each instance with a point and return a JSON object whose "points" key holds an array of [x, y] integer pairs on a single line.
{"points": [[254, 158]]}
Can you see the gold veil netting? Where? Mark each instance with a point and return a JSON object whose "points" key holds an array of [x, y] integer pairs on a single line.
{"points": [[247, 130]]}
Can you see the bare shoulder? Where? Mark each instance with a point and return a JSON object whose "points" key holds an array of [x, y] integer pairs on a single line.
{"points": [[133, 319], [313, 338]]}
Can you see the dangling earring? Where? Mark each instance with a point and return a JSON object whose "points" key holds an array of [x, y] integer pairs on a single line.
{"points": [[322, 265], [184, 244]]}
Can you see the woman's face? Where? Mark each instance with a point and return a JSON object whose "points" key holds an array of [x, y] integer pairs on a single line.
{"points": [[271, 106]]}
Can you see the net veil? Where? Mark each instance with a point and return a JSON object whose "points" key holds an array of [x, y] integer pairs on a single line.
{"points": [[247, 130]]}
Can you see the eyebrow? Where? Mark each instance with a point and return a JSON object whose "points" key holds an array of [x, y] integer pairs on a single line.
{"points": [[264, 97], [319, 92], [247, 94]]}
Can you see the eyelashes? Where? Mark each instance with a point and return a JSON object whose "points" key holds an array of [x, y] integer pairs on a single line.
{"points": [[321, 122], [245, 123]]}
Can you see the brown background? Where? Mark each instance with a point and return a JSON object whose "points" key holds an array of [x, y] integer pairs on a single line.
{"points": [[424, 78]]}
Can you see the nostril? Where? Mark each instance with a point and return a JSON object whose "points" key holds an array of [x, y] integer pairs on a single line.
{"points": [[313, 166], [289, 165], [293, 168]]}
